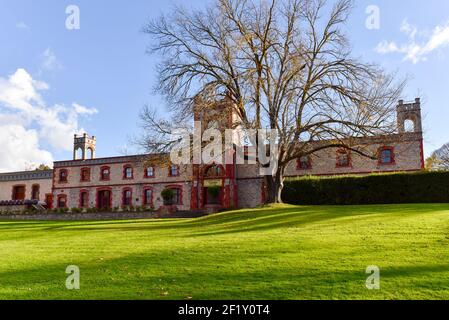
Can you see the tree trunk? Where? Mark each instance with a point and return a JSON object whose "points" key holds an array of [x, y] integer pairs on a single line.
{"points": [[275, 184]]}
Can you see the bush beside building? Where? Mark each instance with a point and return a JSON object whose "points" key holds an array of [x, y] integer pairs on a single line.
{"points": [[421, 187]]}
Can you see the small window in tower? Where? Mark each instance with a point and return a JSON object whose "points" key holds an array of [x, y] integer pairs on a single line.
{"points": [[214, 171], [409, 126]]}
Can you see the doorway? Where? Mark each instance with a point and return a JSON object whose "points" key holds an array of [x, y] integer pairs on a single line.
{"points": [[104, 199], [18, 193]]}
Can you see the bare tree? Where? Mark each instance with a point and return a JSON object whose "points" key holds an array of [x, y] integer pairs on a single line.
{"points": [[439, 160], [285, 65]]}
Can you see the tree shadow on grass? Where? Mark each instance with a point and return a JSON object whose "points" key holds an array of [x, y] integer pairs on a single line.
{"points": [[241, 221], [163, 275]]}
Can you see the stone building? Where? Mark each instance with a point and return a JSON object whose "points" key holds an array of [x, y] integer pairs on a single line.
{"points": [[18, 187], [104, 183]]}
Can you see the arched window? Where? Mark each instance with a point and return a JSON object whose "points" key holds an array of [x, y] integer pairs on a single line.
{"points": [[128, 172], [85, 175], [343, 158], [78, 154], [105, 173], [148, 196], [386, 156], [84, 199], [90, 153], [304, 163], [127, 197], [409, 125], [149, 172], [63, 175], [62, 201], [35, 190], [214, 171]]}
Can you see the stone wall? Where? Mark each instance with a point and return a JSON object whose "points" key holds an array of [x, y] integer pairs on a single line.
{"points": [[100, 216], [12, 209], [249, 192]]}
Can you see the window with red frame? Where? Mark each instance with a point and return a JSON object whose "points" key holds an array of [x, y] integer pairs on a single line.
{"points": [[386, 156], [105, 173], [85, 175], [304, 163], [148, 197], [343, 158], [127, 197], [62, 201], [63, 175], [127, 172], [84, 199], [173, 171], [149, 172]]}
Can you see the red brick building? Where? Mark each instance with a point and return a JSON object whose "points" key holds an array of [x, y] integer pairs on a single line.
{"points": [[117, 182]]}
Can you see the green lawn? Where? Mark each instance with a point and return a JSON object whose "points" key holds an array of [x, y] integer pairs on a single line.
{"points": [[282, 252]]}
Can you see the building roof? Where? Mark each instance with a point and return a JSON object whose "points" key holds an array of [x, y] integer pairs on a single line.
{"points": [[26, 175]]}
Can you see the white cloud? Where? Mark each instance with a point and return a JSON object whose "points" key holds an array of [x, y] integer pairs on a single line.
{"points": [[417, 50], [84, 110], [25, 120], [21, 25], [20, 148], [50, 62]]}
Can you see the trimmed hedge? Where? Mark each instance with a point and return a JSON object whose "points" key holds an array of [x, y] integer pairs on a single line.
{"points": [[422, 187]]}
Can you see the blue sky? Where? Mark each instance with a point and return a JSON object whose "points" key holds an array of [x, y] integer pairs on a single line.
{"points": [[97, 78]]}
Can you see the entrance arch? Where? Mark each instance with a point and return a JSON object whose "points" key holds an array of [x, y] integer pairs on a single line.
{"points": [[213, 186]]}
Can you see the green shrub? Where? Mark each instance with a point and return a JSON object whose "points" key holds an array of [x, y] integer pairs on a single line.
{"points": [[167, 195], [422, 187], [214, 191]]}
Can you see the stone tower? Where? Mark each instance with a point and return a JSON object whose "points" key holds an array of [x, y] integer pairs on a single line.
{"points": [[86, 144], [409, 111]]}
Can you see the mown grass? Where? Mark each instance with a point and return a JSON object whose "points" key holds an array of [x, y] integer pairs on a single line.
{"points": [[282, 252]]}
